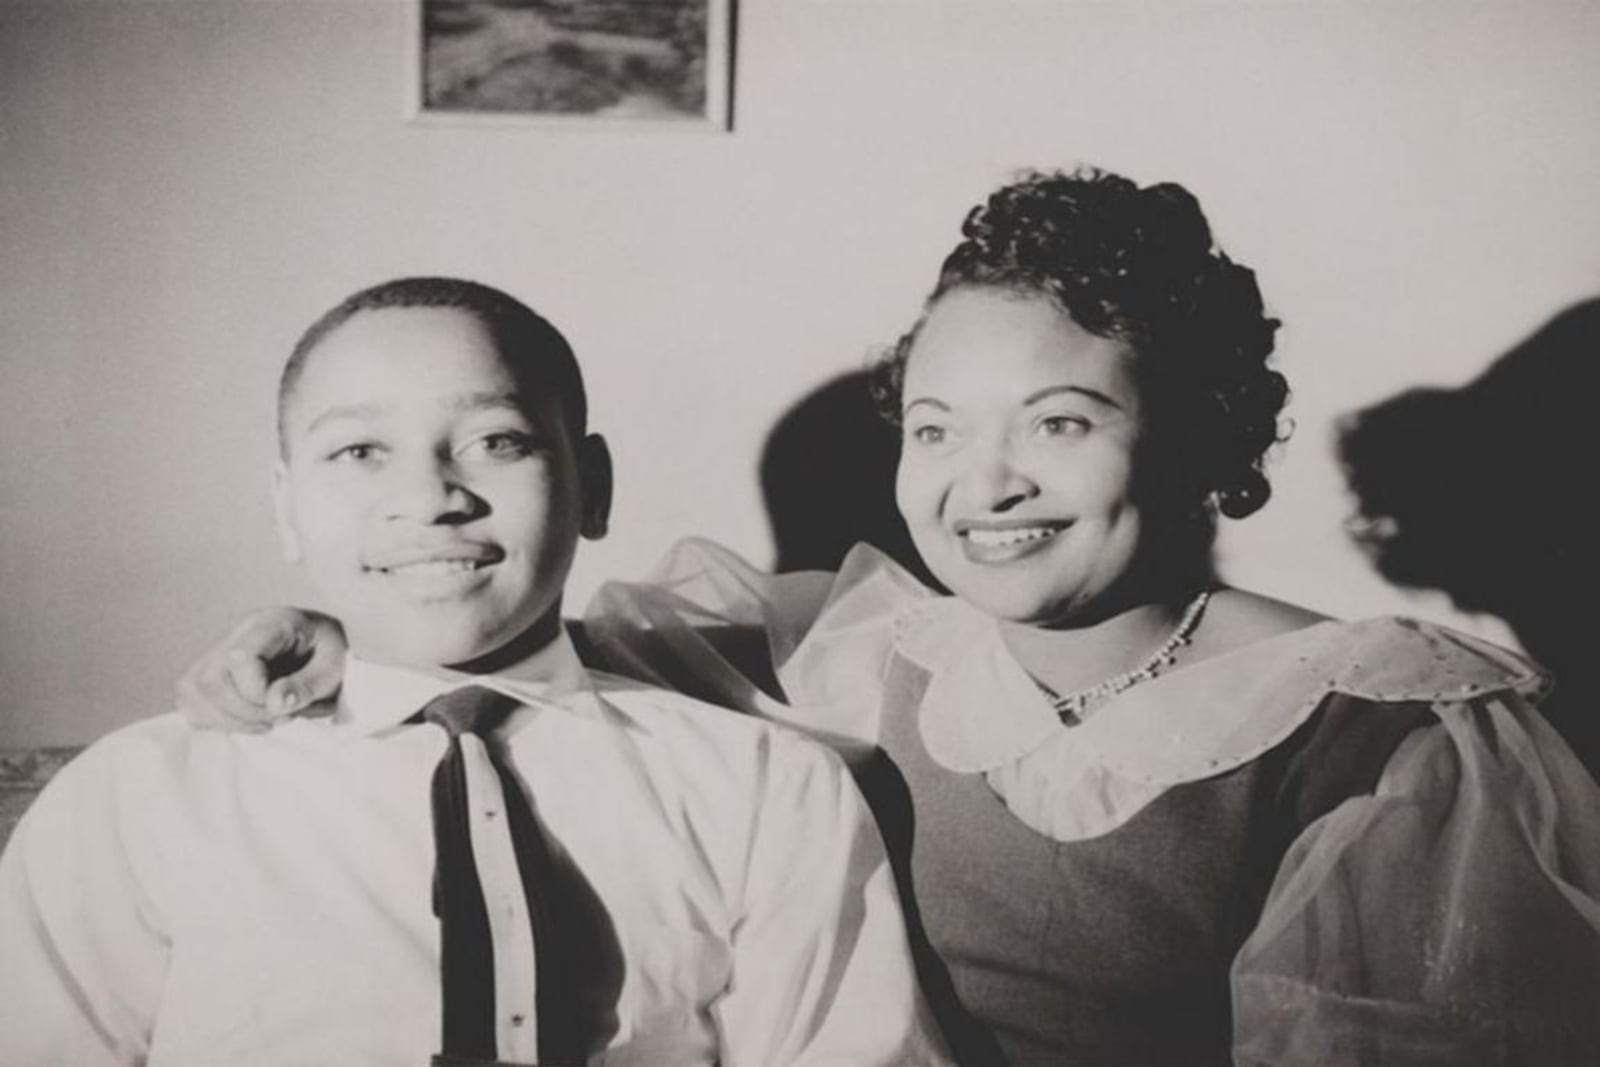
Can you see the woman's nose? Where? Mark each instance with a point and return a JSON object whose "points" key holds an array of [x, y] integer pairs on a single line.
{"points": [[993, 481]]}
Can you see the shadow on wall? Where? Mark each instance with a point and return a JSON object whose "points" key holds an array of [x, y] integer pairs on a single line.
{"points": [[827, 477], [1489, 493]]}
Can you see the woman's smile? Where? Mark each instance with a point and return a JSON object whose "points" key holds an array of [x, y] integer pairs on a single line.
{"points": [[1004, 541]]}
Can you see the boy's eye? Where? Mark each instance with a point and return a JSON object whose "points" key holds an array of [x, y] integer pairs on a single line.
{"points": [[506, 444], [1063, 426], [356, 452], [929, 435]]}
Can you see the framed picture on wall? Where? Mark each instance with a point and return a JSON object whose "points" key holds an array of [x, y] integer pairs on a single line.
{"points": [[662, 63]]}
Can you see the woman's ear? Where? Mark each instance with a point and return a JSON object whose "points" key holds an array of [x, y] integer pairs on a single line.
{"points": [[284, 510], [595, 483]]}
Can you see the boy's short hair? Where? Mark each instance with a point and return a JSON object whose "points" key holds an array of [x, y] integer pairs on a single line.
{"points": [[535, 351]]}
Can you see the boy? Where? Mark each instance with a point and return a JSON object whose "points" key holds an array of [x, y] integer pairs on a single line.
{"points": [[704, 888]]}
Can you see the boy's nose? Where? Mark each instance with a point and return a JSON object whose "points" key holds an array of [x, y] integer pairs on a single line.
{"points": [[431, 492]]}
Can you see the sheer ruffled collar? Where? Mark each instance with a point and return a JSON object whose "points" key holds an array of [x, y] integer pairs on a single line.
{"points": [[981, 712]]}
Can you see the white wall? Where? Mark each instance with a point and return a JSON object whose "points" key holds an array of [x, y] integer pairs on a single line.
{"points": [[184, 185]]}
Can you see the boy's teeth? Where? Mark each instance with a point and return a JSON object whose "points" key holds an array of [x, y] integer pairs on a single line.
{"points": [[1001, 538], [437, 566]]}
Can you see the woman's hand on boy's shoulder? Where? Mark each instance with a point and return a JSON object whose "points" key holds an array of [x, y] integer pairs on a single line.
{"points": [[276, 662]]}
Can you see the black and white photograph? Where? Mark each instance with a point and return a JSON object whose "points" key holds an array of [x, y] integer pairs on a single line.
{"points": [[784, 533], [655, 61]]}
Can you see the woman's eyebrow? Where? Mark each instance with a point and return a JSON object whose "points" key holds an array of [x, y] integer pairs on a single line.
{"points": [[1082, 390], [932, 402]]}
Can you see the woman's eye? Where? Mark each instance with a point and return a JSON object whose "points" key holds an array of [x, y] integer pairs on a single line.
{"points": [[1063, 426], [929, 435]]}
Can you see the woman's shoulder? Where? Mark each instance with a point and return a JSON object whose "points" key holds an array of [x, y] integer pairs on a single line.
{"points": [[1238, 618], [1238, 703], [1386, 657]]}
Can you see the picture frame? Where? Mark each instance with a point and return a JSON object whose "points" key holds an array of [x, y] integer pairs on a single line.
{"points": [[600, 64]]}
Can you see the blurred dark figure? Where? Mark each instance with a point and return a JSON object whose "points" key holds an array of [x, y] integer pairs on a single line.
{"points": [[827, 477], [1487, 492]]}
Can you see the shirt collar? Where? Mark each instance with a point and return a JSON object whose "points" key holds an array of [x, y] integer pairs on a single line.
{"points": [[377, 696]]}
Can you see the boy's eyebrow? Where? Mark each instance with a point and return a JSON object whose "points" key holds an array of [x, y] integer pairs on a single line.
{"points": [[479, 401], [489, 398], [932, 402], [346, 411]]}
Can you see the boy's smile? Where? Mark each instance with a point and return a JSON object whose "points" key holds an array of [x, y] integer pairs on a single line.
{"points": [[435, 503], [438, 571]]}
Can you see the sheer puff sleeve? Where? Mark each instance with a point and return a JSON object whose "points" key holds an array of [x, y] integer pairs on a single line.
{"points": [[1451, 917], [707, 623]]}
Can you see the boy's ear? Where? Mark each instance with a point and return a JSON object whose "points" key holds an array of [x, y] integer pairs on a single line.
{"points": [[284, 510], [595, 484]]}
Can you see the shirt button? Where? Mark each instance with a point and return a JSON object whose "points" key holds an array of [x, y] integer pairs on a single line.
{"points": [[490, 813], [518, 1020]]}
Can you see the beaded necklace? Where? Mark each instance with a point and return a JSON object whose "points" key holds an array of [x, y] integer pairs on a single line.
{"points": [[1070, 707]]}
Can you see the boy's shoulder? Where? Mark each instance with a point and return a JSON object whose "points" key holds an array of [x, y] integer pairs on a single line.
{"points": [[142, 739], [115, 784], [150, 748], [667, 717], [153, 761], [726, 772]]}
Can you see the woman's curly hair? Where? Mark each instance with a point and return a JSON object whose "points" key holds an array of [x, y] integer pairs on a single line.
{"points": [[1138, 266]]}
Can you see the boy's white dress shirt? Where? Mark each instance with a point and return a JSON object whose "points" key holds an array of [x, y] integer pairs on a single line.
{"points": [[187, 897]]}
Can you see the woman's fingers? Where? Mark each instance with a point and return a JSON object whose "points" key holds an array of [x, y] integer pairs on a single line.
{"points": [[211, 697], [235, 685], [321, 674]]}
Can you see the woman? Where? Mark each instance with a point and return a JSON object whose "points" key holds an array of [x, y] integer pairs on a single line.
{"points": [[1140, 817]]}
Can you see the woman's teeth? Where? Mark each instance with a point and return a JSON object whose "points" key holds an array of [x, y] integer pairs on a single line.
{"points": [[1015, 536]]}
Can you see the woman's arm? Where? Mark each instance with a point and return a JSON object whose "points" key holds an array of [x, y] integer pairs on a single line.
{"points": [[1450, 917], [275, 663]]}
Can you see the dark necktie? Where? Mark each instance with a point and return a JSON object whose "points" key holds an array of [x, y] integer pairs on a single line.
{"points": [[466, 940]]}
